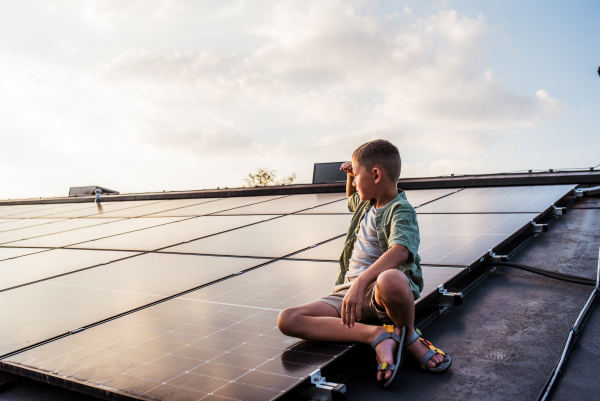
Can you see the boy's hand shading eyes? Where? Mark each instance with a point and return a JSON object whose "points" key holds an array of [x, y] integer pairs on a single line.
{"points": [[347, 167]]}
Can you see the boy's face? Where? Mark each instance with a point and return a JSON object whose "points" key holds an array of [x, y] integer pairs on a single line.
{"points": [[365, 180]]}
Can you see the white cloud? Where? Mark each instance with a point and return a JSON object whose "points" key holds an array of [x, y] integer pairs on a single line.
{"points": [[281, 85]]}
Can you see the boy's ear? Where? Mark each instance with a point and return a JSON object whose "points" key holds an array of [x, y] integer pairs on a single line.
{"points": [[377, 173]]}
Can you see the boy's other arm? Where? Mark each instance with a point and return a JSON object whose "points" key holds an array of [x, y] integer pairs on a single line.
{"points": [[350, 189], [351, 307]]}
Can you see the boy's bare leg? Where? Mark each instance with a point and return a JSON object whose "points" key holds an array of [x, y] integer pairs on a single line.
{"points": [[318, 321], [393, 293]]}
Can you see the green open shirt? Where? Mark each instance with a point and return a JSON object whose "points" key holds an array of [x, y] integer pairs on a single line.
{"points": [[396, 224]]}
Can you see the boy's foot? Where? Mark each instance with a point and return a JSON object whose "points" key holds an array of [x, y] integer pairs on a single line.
{"points": [[418, 350], [386, 352]]}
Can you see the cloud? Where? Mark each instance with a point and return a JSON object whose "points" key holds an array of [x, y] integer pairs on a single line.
{"points": [[280, 85], [209, 141], [324, 61]]}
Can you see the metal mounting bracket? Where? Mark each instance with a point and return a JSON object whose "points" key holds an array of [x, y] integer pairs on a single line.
{"points": [[538, 228], [580, 192], [559, 211], [321, 382], [448, 299], [497, 258]]}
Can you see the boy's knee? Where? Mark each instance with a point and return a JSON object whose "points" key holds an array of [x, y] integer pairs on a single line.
{"points": [[392, 283], [285, 321]]}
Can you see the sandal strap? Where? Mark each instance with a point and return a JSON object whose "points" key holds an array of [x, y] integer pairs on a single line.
{"points": [[415, 336], [383, 366], [384, 336], [432, 351]]}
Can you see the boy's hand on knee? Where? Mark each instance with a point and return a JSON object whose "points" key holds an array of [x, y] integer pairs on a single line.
{"points": [[352, 304]]}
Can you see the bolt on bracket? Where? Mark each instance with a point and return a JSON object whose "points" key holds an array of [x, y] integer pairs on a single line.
{"points": [[321, 382]]}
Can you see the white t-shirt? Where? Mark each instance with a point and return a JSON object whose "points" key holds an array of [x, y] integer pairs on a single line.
{"points": [[366, 247]]}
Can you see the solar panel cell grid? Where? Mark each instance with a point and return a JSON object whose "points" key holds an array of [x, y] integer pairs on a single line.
{"points": [[221, 205], [171, 234], [415, 197], [526, 199], [445, 239], [288, 204], [37, 210], [153, 207], [92, 229], [11, 209], [201, 344], [47, 229], [8, 253], [274, 238], [90, 209], [204, 346], [43, 265], [45, 309], [15, 224]]}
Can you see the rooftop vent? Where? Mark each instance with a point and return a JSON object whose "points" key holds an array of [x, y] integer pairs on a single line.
{"points": [[90, 191], [328, 172]]}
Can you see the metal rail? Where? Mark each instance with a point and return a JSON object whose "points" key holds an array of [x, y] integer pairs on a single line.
{"points": [[573, 335]]}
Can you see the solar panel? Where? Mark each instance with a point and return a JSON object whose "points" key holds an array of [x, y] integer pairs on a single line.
{"points": [[171, 234], [90, 209], [415, 197], [46, 229], [8, 253], [331, 250], [446, 239], [39, 266], [526, 199], [18, 211], [220, 340], [11, 209], [288, 204], [154, 208], [273, 238], [221, 205], [95, 229], [14, 224], [45, 309]]}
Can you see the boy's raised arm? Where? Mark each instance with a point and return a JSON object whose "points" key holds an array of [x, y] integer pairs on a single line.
{"points": [[350, 189]]}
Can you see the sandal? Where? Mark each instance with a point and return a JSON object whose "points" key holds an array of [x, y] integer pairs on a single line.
{"points": [[394, 367], [440, 367]]}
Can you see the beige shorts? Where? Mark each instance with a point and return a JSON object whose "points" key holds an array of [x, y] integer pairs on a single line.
{"points": [[369, 312]]}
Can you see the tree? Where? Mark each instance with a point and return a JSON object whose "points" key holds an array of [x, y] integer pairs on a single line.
{"points": [[263, 177]]}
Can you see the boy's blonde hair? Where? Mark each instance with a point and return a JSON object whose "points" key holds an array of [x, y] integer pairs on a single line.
{"points": [[379, 152]]}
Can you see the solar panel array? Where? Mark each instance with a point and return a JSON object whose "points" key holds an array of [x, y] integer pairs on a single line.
{"points": [[223, 269]]}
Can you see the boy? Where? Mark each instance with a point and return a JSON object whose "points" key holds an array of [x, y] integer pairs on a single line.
{"points": [[380, 273]]}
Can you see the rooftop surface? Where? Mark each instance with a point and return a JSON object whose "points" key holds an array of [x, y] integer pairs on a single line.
{"points": [[138, 270]]}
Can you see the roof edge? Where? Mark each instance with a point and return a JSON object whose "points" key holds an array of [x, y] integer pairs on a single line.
{"points": [[465, 181]]}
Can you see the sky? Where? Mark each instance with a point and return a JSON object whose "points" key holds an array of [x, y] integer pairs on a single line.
{"points": [[153, 95]]}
